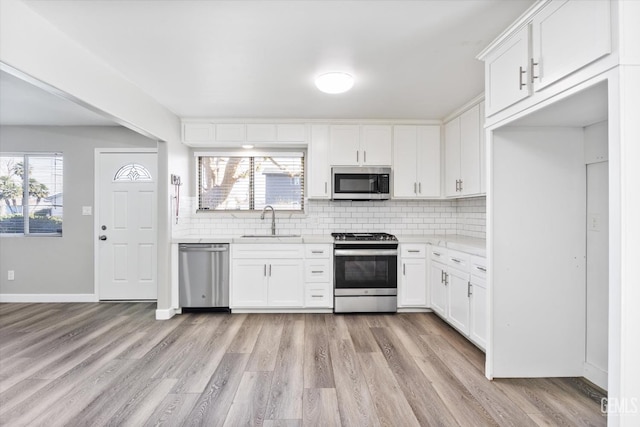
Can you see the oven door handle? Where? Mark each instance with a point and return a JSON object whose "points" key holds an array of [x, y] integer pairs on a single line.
{"points": [[365, 252]]}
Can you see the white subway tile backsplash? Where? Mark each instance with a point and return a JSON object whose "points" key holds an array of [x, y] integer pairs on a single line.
{"points": [[422, 217]]}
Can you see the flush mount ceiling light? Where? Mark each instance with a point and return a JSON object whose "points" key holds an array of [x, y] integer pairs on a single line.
{"points": [[335, 82], [247, 146]]}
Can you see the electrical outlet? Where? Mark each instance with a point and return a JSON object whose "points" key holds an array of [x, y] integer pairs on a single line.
{"points": [[11, 275]]}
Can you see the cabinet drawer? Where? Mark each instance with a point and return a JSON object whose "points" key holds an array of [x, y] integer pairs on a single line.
{"points": [[438, 254], [318, 270], [318, 295], [459, 260], [318, 251], [478, 266], [413, 250]]}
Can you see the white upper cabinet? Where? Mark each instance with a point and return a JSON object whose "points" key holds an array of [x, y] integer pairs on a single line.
{"points": [[197, 133], [463, 156], [506, 73], [318, 169], [416, 162], [355, 145], [567, 35], [556, 38]]}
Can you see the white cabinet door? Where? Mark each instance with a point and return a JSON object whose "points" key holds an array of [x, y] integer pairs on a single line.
{"points": [[428, 155], [318, 170], [375, 148], [479, 312], [566, 36], [470, 151], [345, 145], [458, 299], [405, 147], [439, 297], [452, 157], [413, 283], [286, 283], [198, 132], [249, 285], [506, 76]]}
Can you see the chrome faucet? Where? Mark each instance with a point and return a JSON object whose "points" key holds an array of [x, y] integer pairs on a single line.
{"points": [[273, 218]]}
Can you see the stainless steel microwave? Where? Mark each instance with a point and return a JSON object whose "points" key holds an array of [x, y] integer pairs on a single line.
{"points": [[354, 183]]}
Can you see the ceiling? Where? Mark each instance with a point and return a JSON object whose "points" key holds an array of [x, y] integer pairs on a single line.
{"points": [[258, 59]]}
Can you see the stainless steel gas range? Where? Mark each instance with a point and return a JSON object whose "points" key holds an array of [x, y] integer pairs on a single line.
{"points": [[365, 272]]}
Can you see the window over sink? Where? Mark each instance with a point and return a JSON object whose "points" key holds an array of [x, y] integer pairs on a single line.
{"points": [[236, 182]]}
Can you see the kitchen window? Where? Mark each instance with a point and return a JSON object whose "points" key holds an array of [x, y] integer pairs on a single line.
{"points": [[245, 183], [31, 194]]}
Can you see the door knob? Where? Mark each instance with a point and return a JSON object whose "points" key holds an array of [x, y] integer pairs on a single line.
{"points": [[103, 237]]}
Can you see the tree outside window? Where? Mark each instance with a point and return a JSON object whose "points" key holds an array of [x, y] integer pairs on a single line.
{"points": [[38, 210]]}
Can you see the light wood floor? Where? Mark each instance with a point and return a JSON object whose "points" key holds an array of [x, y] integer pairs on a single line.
{"points": [[114, 364]]}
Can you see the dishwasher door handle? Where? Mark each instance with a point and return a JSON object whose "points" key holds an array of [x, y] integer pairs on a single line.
{"points": [[192, 249]]}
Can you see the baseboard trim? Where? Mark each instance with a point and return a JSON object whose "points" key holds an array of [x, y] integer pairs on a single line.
{"points": [[596, 375], [165, 313], [51, 298], [282, 310], [414, 310]]}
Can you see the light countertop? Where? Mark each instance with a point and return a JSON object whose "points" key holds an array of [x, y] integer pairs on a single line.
{"points": [[472, 245], [305, 238]]}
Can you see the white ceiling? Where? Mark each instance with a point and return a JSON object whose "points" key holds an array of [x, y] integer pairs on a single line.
{"points": [[411, 59]]}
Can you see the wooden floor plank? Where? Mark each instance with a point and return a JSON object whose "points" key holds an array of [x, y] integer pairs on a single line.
{"points": [[213, 405], [390, 404], [285, 399], [265, 351], [250, 402], [425, 402], [354, 399], [114, 364], [320, 408], [173, 410], [318, 372]]}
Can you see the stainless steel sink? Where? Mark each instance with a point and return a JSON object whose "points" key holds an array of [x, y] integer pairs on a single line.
{"points": [[272, 236]]}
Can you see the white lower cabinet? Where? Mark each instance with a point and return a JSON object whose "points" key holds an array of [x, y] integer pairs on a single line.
{"points": [[412, 291], [479, 311], [437, 282], [267, 276], [280, 276], [458, 291]]}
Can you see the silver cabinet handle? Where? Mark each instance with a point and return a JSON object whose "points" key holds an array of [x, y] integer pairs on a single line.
{"points": [[413, 251], [469, 293], [455, 260], [436, 253], [317, 271], [404, 270], [480, 268], [532, 71], [316, 296], [365, 156], [265, 270], [414, 188], [357, 156], [420, 187], [441, 276], [317, 252], [522, 84], [446, 279], [461, 185], [269, 270], [325, 187]]}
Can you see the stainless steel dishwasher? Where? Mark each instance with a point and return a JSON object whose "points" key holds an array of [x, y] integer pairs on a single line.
{"points": [[204, 275]]}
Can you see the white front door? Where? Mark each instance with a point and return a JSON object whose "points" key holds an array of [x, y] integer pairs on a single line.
{"points": [[127, 226]]}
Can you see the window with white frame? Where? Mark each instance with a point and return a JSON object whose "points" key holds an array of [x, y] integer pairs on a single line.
{"points": [[237, 182], [31, 194]]}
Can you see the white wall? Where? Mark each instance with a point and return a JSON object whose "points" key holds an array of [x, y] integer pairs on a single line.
{"points": [[60, 265], [596, 357], [537, 252]]}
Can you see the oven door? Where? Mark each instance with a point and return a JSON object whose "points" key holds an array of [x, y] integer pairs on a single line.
{"points": [[365, 271]]}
